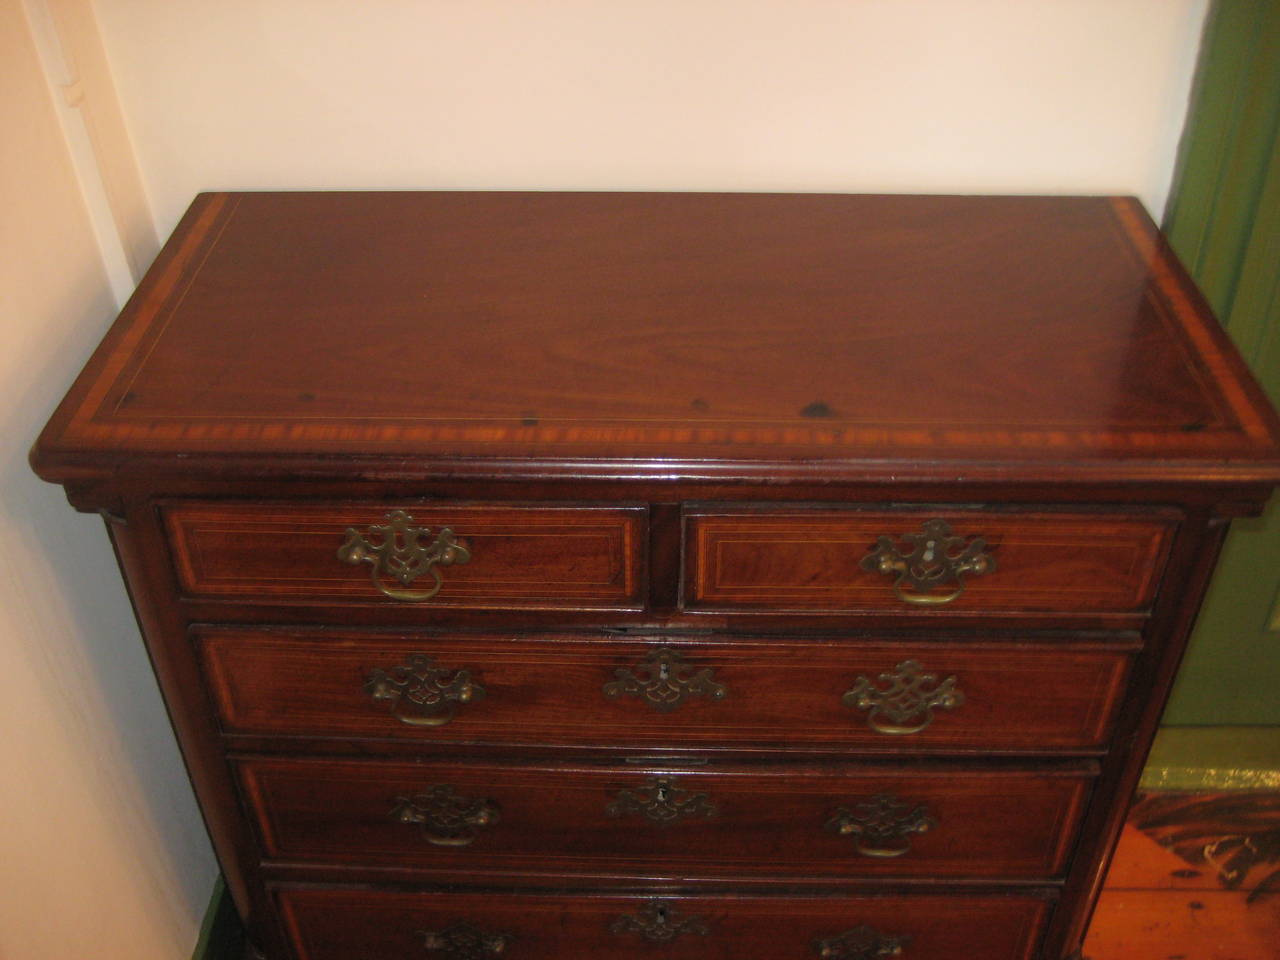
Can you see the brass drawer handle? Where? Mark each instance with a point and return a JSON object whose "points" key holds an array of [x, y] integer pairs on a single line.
{"points": [[462, 941], [658, 922], [661, 801], [420, 693], [882, 827], [906, 703], [860, 943], [664, 681], [400, 555], [931, 559], [447, 818]]}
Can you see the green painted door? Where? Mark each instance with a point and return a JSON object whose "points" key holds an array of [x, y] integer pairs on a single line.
{"points": [[1224, 222]]}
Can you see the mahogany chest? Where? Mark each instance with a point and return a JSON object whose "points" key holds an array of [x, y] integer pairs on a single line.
{"points": [[665, 576]]}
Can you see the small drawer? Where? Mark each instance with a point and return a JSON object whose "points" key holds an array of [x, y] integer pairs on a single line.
{"points": [[492, 557], [327, 923], [777, 694], [718, 821], [935, 560]]}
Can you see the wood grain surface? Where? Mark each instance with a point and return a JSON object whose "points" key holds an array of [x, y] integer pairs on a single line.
{"points": [[340, 924], [780, 694], [768, 821], [680, 327], [519, 556], [805, 560]]}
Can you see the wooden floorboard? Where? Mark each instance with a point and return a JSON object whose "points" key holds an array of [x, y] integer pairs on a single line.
{"points": [[1196, 877]]}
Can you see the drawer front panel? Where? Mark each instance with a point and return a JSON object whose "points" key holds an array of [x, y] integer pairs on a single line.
{"points": [[817, 561], [339, 924], [769, 694], [777, 821], [515, 557]]}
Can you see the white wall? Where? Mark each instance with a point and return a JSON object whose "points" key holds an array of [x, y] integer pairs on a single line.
{"points": [[101, 850], [102, 853], [845, 95]]}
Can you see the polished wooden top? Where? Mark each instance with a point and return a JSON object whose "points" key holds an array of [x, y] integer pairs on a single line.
{"points": [[668, 335]]}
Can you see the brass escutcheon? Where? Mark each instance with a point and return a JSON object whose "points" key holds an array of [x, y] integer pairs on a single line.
{"points": [[661, 801], [664, 681], [658, 922]]}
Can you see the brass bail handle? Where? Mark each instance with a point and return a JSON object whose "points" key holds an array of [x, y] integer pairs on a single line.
{"points": [[396, 550], [881, 853], [445, 817], [861, 943], [882, 826], [923, 562], [904, 700], [927, 599], [463, 941], [880, 725], [421, 693]]}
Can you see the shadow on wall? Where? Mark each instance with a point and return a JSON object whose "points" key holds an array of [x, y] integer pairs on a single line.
{"points": [[94, 747]]}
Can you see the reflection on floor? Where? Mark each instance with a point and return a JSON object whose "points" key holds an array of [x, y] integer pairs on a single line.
{"points": [[1197, 877]]}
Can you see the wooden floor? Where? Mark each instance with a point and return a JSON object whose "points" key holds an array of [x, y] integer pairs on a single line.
{"points": [[1196, 877]]}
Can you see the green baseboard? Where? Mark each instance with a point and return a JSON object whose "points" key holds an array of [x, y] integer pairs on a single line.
{"points": [[1214, 758], [221, 935]]}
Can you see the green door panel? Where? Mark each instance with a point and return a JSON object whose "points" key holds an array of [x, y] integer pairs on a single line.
{"points": [[1224, 222]]}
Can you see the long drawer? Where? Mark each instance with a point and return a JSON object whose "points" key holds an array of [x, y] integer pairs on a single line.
{"points": [[941, 560], [341, 924], [773, 694], [774, 821], [437, 556]]}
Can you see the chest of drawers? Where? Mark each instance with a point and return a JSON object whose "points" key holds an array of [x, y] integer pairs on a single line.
{"points": [[664, 576]]}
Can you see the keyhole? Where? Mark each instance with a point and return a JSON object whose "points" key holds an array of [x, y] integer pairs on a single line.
{"points": [[661, 913], [928, 550], [664, 671], [662, 793]]}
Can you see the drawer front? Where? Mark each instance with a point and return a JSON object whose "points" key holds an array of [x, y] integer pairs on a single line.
{"points": [[769, 694], [499, 556], [660, 821], [826, 561], [340, 924]]}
